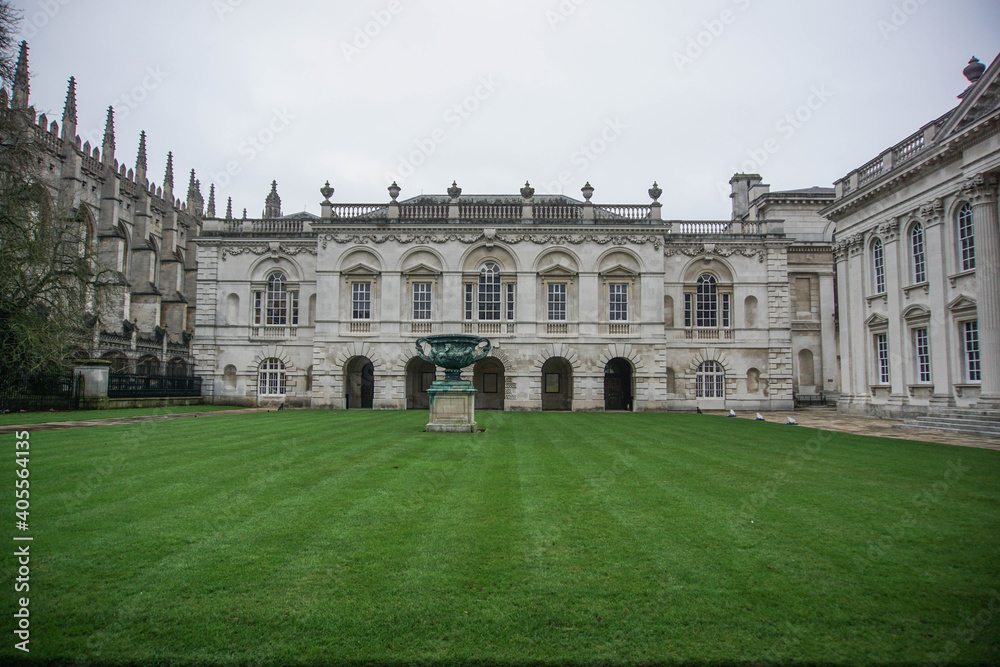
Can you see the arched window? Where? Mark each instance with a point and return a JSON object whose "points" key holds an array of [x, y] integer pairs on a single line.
{"points": [[707, 302], [917, 253], [966, 238], [147, 365], [711, 380], [276, 300], [489, 292], [878, 267], [271, 378]]}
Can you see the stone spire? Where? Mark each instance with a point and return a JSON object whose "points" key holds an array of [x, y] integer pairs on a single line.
{"points": [[195, 200], [21, 85], [211, 201], [140, 159], [108, 149], [229, 209], [168, 178], [272, 205], [69, 112]]}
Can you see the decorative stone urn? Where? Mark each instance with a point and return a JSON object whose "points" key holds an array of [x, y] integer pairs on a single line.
{"points": [[453, 400]]}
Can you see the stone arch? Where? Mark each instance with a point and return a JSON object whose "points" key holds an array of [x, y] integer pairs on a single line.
{"points": [[479, 254], [417, 372], [718, 267], [807, 368], [268, 264], [557, 256], [557, 384], [619, 384], [360, 349], [361, 256], [709, 354], [750, 306], [229, 378], [489, 379], [233, 309], [619, 258], [624, 351], [421, 256], [359, 383], [271, 352]]}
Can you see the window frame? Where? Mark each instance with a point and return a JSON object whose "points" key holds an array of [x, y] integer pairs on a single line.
{"points": [[971, 354], [918, 255], [556, 301], [618, 302], [965, 235], [422, 300], [710, 380], [922, 354], [364, 290], [883, 374], [272, 374], [876, 254]]}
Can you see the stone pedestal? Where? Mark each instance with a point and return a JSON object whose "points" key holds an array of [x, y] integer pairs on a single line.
{"points": [[453, 407], [91, 381]]}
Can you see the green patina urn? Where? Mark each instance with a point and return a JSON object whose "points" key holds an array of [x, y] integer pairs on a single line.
{"points": [[453, 352]]}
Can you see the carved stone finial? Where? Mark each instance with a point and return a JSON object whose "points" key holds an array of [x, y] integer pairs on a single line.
{"points": [[394, 191], [588, 191], [527, 191], [974, 70], [326, 191], [454, 191], [655, 192]]}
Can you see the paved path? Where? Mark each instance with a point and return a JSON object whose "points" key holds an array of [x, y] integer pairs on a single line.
{"points": [[825, 419]]}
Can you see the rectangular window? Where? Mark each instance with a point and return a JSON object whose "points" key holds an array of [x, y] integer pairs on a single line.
{"points": [[923, 349], [618, 301], [919, 261], [470, 299], [293, 308], [489, 300], [967, 238], [510, 302], [972, 351], [361, 301], [557, 302], [882, 357], [688, 300], [421, 301], [258, 311], [726, 305]]}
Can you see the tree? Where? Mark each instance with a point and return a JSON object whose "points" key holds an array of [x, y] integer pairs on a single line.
{"points": [[51, 281]]}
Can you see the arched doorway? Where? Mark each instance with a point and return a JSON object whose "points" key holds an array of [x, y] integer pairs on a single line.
{"points": [[420, 375], [557, 385], [618, 385], [359, 384], [488, 379]]}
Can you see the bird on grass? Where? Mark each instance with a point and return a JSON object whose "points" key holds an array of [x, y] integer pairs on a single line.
{"points": [[698, 409], [791, 422], [759, 417], [732, 413]]}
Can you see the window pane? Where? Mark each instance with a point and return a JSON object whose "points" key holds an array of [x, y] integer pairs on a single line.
{"points": [[966, 238], [707, 312], [917, 248], [882, 355], [489, 293], [618, 300], [469, 300], [557, 302], [972, 351], [510, 302], [878, 267], [710, 381], [361, 301], [421, 301], [923, 355], [276, 300]]}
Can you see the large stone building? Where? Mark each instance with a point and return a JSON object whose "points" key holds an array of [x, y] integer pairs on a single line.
{"points": [[138, 229], [918, 264], [589, 306]]}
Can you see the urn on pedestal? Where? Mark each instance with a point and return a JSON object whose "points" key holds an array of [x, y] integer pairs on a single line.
{"points": [[453, 400]]}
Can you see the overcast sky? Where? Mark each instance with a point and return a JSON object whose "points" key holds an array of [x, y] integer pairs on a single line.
{"points": [[493, 92]]}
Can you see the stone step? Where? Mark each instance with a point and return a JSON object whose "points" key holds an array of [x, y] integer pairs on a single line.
{"points": [[964, 430], [989, 429]]}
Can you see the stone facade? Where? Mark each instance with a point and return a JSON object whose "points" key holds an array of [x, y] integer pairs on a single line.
{"points": [[137, 228], [589, 307], [918, 265]]}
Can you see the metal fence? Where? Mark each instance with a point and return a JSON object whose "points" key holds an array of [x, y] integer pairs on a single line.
{"points": [[38, 393], [122, 385]]}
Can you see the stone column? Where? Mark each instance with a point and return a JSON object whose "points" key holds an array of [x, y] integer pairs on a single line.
{"points": [[981, 191], [932, 215], [898, 347]]}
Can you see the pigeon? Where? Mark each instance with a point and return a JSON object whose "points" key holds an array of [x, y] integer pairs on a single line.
{"points": [[791, 422], [759, 417], [732, 413], [698, 409]]}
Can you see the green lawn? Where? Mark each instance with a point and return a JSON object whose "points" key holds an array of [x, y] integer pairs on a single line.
{"points": [[17, 418], [622, 539]]}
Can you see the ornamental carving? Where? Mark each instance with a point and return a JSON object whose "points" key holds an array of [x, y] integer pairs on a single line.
{"points": [[720, 250], [536, 238], [290, 249], [932, 212], [981, 189], [889, 231]]}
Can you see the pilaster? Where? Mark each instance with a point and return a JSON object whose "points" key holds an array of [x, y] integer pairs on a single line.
{"points": [[981, 191]]}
